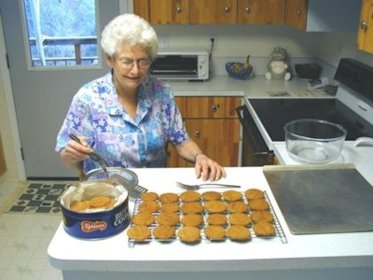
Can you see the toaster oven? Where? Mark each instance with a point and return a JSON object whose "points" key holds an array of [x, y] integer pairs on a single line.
{"points": [[179, 64]]}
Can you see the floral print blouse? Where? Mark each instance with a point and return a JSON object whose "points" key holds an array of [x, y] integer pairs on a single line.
{"points": [[97, 114]]}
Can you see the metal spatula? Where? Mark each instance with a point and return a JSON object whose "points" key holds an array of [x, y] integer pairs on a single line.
{"points": [[198, 186], [94, 155]]}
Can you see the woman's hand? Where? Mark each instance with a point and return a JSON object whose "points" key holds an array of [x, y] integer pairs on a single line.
{"points": [[75, 152], [208, 169]]}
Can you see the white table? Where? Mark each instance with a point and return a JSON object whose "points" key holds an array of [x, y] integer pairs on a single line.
{"points": [[321, 256]]}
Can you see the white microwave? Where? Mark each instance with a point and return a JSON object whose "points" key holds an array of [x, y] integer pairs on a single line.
{"points": [[180, 64]]}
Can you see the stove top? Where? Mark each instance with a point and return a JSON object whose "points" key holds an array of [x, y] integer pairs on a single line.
{"points": [[274, 113]]}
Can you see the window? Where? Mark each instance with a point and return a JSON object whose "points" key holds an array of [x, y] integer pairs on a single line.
{"points": [[61, 33]]}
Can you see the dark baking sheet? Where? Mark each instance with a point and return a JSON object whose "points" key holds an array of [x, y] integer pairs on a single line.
{"points": [[325, 199]]}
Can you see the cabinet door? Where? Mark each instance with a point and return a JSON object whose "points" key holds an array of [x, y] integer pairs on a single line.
{"points": [[141, 8], [261, 11], [296, 13], [212, 11], [206, 107], [181, 103], [217, 138], [169, 11], [365, 33]]}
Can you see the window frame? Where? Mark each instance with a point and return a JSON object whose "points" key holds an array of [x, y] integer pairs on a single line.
{"points": [[27, 50]]}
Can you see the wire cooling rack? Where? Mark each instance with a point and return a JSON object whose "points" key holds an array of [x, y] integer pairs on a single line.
{"points": [[278, 237]]}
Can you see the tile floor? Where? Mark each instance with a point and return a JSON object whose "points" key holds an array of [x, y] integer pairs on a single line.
{"points": [[24, 239]]}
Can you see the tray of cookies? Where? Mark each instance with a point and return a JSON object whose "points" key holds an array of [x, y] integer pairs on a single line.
{"points": [[191, 217]]}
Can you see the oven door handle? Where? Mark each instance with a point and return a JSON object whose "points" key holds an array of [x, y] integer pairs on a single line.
{"points": [[258, 151]]}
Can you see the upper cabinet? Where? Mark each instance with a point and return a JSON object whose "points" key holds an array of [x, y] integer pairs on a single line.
{"points": [[306, 15], [261, 11], [217, 11], [169, 11], [365, 33], [322, 15], [211, 11]]}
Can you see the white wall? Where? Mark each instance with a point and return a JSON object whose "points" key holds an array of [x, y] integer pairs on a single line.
{"points": [[235, 42]]}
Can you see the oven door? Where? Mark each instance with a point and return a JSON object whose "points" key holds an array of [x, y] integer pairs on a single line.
{"points": [[254, 149]]}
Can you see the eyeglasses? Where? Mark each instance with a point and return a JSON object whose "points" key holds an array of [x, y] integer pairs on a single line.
{"points": [[129, 63]]}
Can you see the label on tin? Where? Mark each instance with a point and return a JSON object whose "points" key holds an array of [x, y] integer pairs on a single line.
{"points": [[89, 226]]}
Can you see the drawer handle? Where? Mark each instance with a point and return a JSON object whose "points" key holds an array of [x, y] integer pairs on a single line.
{"points": [[247, 10], [298, 12], [227, 9], [179, 10], [364, 25], [197, 134], [214, 108]]}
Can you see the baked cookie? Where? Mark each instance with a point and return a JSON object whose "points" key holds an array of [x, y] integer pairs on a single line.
{"points": [[215, 232], [232, 195], [164, 232], [239, 233], [139, 233], [261, 216], [264, 229], [149, 206], [192, 207], [189, 234], [258, 204], [100, 202], [170, 207], [149, 196], [192, 220], [216, 219], [78, 206], [168, 197], [240, 219], [190, 196], [143, 218], [237, 207], [216, 206], [168, 219], [254, 194], [211, 195]]}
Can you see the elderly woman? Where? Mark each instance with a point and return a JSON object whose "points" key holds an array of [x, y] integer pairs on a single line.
{"points": [[127, 116]]}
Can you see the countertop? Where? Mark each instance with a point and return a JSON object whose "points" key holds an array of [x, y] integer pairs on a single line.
{"points": [[257, 86], [361, 157], [342, 255]]}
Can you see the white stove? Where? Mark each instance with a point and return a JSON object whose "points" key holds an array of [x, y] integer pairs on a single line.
{"points": [[352, 107]]}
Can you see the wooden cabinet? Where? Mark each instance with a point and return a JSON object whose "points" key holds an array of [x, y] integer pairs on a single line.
{"points": [[169, 11], [365, 32], [322, 16], [261, 11], [2, 159], [210, 12], [296, 13], [212, 123], [141, 8]]}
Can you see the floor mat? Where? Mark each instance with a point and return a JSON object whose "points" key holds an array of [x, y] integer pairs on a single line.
{"points": [[39, 198]]}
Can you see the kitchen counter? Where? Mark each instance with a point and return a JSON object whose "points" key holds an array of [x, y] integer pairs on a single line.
{"points": [[257, 86], [361, 157], [318, 256]]}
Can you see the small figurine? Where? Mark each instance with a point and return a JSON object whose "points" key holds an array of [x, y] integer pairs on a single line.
{"points": [[278, 66]]}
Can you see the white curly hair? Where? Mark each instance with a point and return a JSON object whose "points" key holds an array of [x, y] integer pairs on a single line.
{"points": [[129, 29]]}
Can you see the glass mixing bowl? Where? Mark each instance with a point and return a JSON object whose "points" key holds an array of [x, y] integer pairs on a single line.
{"points": [[314, 141]]}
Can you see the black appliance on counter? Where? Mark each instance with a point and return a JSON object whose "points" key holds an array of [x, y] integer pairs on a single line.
{"points": [[263, 119]]}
